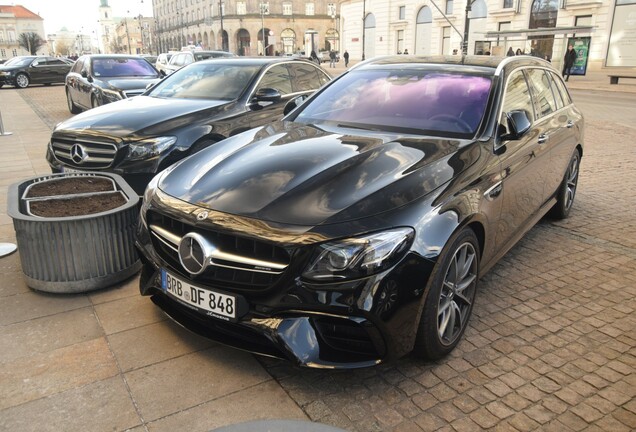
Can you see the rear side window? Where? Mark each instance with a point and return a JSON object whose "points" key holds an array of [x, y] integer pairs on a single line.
{"points": [[563, 91], [79, 64], [542, 92], [277, 78], [305, 77], [517, 97], [555, 91]]}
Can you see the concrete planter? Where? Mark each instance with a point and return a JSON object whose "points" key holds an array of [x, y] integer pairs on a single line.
{"points": [[75, 254]]}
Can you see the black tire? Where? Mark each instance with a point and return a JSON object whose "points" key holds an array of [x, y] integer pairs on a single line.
{"points": [[74, 109], [567, 189], [438, 332], [22, 80]]}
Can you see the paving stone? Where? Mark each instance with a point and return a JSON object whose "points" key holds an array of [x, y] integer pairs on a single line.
{"points": [[539, 413], [484, 418], [522, 422], [626, 417], [466, 403]]}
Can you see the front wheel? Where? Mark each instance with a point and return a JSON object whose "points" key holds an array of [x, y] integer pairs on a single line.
{"points": [[567, 189], [450, 298], [22, 80], [71, 105]]}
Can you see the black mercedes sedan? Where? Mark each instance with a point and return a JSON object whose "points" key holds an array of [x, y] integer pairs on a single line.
{"points": [[191, 109], [355, 230], [98, 79], [25, 70]]}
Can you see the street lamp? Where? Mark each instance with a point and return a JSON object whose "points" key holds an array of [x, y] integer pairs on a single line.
{"points": [[221, 6], [127, 34], [469, 4], [264, 10]]}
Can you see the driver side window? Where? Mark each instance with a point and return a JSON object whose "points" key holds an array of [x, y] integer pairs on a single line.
{"points": [[277, 78], [516, 97]]}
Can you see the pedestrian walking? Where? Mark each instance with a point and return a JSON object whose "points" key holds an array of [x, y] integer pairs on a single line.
{"points": [[406, 51], [346, 57], [332, 59], [314, 57], [568, 61], [510, 52], [519, 52]]}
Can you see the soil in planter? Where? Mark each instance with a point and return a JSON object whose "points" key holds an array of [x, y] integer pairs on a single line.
{"points": [[70, 186], [77, 206]]}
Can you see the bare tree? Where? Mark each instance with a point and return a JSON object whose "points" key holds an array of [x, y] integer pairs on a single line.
{"points": [[63, 47], [31, 42]]}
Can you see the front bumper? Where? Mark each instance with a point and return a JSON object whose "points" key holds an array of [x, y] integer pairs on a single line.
{"points": [[351, 324]]}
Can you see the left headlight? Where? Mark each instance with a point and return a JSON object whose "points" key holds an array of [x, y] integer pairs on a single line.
{"points": [[111, 95], [358, 257], [150, 147]]}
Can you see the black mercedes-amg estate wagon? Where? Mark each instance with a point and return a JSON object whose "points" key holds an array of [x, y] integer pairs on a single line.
{"points": [[355, 230]]}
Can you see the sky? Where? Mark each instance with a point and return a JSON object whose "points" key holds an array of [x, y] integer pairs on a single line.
{"points": [[80, 15]]}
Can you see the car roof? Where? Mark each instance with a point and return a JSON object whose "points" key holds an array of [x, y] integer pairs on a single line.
{"points": [[484, 62], [108, 56], [255, 61]]}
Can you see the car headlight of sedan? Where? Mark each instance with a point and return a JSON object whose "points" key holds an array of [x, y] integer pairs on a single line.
{"points": [[150, 147], [358, 257], [5, 73], [111, 96]]}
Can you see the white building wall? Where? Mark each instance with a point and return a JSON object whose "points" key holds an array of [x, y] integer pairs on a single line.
{"points": [[388, 23]]}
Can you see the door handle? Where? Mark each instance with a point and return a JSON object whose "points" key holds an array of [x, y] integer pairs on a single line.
{"points": [[494, 191], [569, 124], [543, 138]]}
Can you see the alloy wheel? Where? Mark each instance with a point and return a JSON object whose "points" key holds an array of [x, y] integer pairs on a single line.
{"points": [[572, 177], [457, 294], [22, 81]]}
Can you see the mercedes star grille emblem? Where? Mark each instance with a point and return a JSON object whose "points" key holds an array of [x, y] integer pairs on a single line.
{"points": [[202, 216], [195, 253], [78, 154]]}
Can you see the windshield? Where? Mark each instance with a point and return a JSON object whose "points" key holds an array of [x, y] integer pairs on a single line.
{"points": [[206, 81], [436, 102], [122, 67], [18, 61]]}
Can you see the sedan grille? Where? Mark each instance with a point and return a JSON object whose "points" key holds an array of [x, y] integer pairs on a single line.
{"points": [[244, 264], [84, 153]]}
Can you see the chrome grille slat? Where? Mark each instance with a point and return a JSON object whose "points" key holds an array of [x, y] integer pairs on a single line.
{"points": [[239, 263], [99, 154]]}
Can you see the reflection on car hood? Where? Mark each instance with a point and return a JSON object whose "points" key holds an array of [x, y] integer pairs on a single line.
{"points": [[118, 83], [141, 115], [308, 175]]}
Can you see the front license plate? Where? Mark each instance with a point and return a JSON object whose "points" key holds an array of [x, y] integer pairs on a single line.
{"points": [[211, 303], [71, 170]]}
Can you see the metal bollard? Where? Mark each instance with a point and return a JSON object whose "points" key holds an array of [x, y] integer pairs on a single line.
{"points": [[2, 132]]}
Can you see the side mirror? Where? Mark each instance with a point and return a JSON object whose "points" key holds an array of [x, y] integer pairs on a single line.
{"points": [[162, 73], [84, 74], [267, 94], [294, 103], [518, 124]]}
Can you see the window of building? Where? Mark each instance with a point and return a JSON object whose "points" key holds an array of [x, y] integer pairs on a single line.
{"points": [[446, 34], [400, 41], [508, 4], [11, 37], [3, 53], [309, 8], [402, 13], [505, 25], [2, 37], [583, 20], [264, 8], [287, 9], [449, 7], [331, 9], [241, 8]]}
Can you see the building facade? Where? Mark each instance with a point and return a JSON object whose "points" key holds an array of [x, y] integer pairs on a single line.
{"points": [[126, 35], [15, 20], [248, 27], [602, 31]]}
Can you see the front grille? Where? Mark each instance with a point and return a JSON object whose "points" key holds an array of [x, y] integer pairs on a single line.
{"points": [[95, 153], [239, 271]]}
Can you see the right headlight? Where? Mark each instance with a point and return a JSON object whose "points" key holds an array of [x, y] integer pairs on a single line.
{"points": [[149, 148], [358, 257]]}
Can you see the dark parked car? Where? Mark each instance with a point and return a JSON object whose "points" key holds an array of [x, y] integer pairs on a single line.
{"points": [[189, 110], [184, 58], [99, 79], [24, 70], [354, 230]]}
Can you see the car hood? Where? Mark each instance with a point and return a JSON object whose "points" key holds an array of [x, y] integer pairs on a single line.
{"points": [[140, 116], [125, 84], [307, 175]]}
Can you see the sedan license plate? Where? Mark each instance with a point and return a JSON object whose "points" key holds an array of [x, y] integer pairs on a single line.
{"points": [[71, 170], [210, 302]]}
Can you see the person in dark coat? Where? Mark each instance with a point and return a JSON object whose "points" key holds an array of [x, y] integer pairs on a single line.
{"points": [[346, 58], [314, 57], [568, 61], [510, 52]]}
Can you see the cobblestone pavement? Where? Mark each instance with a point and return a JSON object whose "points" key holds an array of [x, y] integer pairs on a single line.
{"points": [[551, 344]]}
